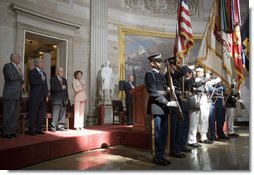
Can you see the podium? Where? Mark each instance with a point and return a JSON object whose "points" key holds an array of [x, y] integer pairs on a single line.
{"points": [[140, 97]]}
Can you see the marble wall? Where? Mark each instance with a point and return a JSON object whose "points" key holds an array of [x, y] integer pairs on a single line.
{"points": [[68, 20]]}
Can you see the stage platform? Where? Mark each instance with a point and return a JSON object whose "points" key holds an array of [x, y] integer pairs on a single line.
{"points": [[26, 150]]}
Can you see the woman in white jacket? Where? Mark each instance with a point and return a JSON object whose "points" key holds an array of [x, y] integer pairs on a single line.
{"points": [[80, 99]]}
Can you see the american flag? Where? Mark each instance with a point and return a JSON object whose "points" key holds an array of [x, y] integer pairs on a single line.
{"points": [[184, 38]]}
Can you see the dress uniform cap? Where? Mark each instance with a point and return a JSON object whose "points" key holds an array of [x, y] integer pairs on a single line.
{"points": [[171, 60], [199, 69], [185, 69], [155, 57]]}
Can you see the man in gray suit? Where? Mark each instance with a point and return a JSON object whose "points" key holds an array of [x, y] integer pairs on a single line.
{"points": [[59, 100], [12, 94]]}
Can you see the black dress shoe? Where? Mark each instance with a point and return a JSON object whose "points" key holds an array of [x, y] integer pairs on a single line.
{"points": [[233, 135], [194, 145], [213, 138], [186, 150], [182, 154], [7, 136], [223, 137], [159, 162], [177, 155], [166, 160], [31, 133], [14, 135], [39, 132], [207, 141]]}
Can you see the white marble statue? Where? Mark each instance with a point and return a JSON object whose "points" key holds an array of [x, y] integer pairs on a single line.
{"points": [[107, 82]]}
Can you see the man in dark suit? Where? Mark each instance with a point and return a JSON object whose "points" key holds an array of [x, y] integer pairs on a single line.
{"points": [[59, 100], [129, 99], [158, 108], [37, 97], [12, 94]]}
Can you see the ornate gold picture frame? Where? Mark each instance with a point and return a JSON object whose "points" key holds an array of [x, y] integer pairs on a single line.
{"points": [[135, 45]]}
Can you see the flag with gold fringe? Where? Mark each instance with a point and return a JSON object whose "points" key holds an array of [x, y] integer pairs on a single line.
{"points": [[237, 43], [220, 50], [184, 37], [245, 43]]}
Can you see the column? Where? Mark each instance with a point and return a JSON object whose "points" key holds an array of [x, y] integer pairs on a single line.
{"points": [[99, 39], [47, 66]]}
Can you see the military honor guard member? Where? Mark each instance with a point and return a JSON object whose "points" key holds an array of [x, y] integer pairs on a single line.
{"points": [[179, 128], [230, 105], [158, 108], [217, 111], [199, 112]]}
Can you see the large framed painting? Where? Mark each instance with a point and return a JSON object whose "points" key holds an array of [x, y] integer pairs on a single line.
{"points": [[135, 45]]}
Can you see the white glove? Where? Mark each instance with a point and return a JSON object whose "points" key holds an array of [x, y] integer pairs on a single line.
{"points": [[172, 104], [215, 81], [173, 88], [240, 101]]}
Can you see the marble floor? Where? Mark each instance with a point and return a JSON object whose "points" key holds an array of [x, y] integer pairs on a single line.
{"points": [[233, 154]]}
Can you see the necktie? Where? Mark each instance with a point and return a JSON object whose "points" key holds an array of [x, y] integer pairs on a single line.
{"points": [[41, 72], [61, 81], [19, 70]]}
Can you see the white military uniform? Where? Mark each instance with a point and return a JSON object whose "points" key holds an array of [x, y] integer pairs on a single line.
{"points": [[205, 110], [204, 116], [199, 118]]}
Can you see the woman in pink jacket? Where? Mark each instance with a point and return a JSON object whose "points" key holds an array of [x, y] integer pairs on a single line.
{"points": [[80, 99]]}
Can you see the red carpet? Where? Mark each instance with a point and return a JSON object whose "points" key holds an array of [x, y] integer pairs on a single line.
{"points": [[26, 150]]}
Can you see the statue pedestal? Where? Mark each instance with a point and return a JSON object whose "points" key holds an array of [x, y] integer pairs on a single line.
{"points": [[105, 113], [108, 114], [90, 120]]}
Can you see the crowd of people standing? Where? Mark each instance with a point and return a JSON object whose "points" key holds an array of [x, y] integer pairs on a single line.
{"points": [[204, 102], [39, 95]]}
